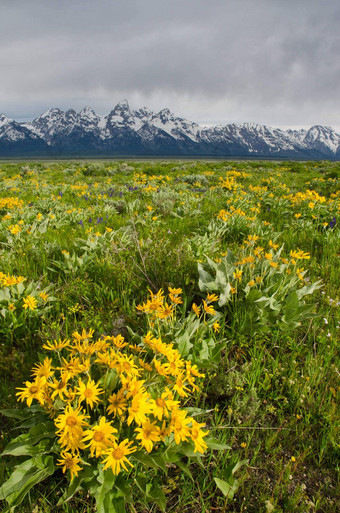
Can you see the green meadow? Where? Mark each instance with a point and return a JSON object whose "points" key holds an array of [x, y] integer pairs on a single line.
{"points": [[169, 336]]}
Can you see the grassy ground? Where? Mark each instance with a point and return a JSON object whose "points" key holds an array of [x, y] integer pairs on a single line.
{"points": [[96, 237]]}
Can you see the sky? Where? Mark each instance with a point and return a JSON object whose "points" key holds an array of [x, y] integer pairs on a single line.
{"points": [[274, 62]]}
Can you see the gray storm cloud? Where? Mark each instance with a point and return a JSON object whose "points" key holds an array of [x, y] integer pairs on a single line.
{"points": [[269, 61]]}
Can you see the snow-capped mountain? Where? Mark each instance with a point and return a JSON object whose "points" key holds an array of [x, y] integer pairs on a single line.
{"points": [[18, 139], [142, 132]]}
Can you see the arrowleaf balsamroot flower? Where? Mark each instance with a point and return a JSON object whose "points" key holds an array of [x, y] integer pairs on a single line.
{"points": [[197, 435], [211, 298], [89, 392], [59, 388], [164, 404], [116, 456], [141, 406], [57, 345], [70, 428], [196, 309], [43, 370], [148, 434], [175, 291], [34, 390], [70, 462], [30, 302], [117, 404], [179, 426], [209, 309], [100, 437], [238, 274], [180, 386], [142, 398], [299, 254], [216, 327]]}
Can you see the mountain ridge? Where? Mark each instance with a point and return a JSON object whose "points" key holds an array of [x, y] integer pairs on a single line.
{"points": [[143, 132]]}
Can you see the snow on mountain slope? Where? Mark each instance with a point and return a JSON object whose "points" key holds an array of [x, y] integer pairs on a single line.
{"points": [[175, 127], [11, 131], [144, 131], [323, 138], [4, 120]]}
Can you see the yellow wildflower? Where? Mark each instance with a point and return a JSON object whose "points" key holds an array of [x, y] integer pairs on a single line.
{"points": [[30, 302], [197, 435], [89, 392], [70, 428], [179, 426], [100, 437], [43, 370], [148, 434], [212, 298], [216, 327], [32, 390], [140, 407], [164, 404], [196, 309], [116, 456], [238, 274], [70, 462], [209, 309], [117, 404]]}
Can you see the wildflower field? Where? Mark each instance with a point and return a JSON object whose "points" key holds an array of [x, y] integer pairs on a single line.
{"points": [[168, 336]]}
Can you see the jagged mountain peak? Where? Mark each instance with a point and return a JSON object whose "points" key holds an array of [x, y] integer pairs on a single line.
{"points": [[142, 131], [4, 119], [165, 115], [51, 112], [320, 129], [143, 112], [323, 137], [121, 109], [71, 112], [87, 111]]}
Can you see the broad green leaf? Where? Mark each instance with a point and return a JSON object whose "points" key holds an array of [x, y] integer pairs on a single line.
{"points": [[204, 354], [14, 413], [225, 295], [157, 494], [148, 460], [228, 489], [185, 469], [309, 289], [183, 344], [142, 484], [172, 455], [107, 501], [206, 282], [21, 444], [32, 421], [22, 448], [158, 458], [215, 444], [238, 465], [86, 476], [125, 487], [221, 279], [193, 412], [25, 476], [188, 450]]}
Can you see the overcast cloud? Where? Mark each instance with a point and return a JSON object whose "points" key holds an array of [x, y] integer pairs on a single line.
{"points": [[274, 62]]}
